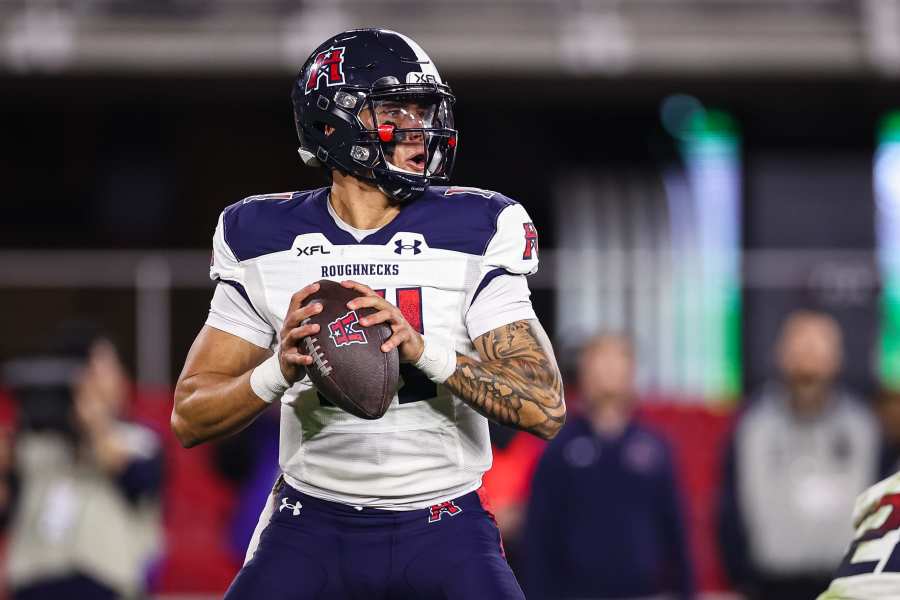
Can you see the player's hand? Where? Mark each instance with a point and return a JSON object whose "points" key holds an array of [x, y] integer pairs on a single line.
{"points": [[405, 339], [291, 356]]}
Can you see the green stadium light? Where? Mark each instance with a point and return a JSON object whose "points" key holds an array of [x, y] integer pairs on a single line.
{"points": [[708, 295], [889, 128]]}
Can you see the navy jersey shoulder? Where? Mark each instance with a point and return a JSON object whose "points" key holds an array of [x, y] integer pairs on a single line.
{"points": [[458, 218], [269, 223]]}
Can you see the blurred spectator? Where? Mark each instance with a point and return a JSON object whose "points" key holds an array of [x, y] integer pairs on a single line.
{"points": [[799, 456], [82, 484], [605, 518]]}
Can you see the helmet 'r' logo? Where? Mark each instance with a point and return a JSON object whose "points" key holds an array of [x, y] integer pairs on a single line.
{"points": [[345, 331], [328, 65]]}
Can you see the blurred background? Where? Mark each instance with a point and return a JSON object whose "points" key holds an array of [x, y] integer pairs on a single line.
{"points": [[699, 170]]}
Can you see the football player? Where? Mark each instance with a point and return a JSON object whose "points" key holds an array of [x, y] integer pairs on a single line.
{"points": [[871, 568], [386, 508]]}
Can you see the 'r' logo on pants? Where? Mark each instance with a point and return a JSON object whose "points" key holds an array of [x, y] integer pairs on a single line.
{"points": [[437, 511]]}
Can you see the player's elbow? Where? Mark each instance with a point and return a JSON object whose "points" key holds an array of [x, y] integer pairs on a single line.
{"points": [[553, 426], [180, 424], [554, 413], [182, 431]]}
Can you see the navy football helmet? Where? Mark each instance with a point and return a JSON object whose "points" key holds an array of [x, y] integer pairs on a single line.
{"points": [[371, 104]]}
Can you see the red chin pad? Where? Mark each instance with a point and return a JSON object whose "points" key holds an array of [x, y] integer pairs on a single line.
{"points": [[386, 132]]}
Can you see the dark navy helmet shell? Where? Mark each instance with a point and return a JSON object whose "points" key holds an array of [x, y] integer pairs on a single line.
{"points": [[371, 104]]}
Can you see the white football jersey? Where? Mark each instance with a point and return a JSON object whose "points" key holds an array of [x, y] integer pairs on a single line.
{"points": [[871, 568], [454, 262]]}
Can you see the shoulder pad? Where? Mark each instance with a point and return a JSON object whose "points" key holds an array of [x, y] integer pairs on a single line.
{"points": [[268, 223], [461, 219]]}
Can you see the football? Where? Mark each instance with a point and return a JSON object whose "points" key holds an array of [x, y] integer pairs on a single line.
{"points": [[349, 368]]}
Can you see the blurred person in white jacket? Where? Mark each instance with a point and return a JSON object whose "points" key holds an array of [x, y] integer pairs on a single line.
{"points": [[81, 487], [801, 452]]}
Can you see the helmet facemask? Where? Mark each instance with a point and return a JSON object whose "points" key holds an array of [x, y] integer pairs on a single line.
{"points": [[407, 141]]}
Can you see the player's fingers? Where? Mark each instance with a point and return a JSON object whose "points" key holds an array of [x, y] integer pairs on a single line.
{"points": [[298, 333], [302, 294], [294, 349], [298, 359], [380, 317], [359, 287], [395, 340], [311, 309], [290, 341], [368, 302], [296, 317]]}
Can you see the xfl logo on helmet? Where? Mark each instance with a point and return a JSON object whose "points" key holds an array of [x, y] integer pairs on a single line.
{"points": [[422, 78], [328, 65], [344, 330]]}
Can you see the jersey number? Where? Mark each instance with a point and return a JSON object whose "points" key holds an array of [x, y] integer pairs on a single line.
{"points": [[414, 386]]}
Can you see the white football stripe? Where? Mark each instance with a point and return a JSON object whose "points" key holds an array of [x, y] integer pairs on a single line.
{"points": [[427, 66]]}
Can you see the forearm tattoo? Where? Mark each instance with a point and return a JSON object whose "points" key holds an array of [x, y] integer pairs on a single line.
{"points": [[515, 383]]}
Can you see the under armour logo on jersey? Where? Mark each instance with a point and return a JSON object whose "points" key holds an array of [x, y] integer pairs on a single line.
{"points": [[328, 64], [437, 511], [531, 241], [344, 330], [295, 508], [401, 246]]}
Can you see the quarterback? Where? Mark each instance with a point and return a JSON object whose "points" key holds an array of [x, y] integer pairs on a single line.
{"points": [[871, 568], [387, 508]]}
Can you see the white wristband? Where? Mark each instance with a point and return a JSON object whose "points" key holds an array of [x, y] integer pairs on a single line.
{"points": [[267, 380], [437, 362]]}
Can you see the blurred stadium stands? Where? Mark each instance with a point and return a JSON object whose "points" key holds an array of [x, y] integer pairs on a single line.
{"points": [[504, 37]]}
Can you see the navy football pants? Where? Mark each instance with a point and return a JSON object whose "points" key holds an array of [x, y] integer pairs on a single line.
{"points": [[314, 549]]}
